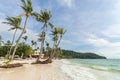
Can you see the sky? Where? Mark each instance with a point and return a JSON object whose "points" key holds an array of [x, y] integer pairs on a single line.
{"points": [[92, 25]]}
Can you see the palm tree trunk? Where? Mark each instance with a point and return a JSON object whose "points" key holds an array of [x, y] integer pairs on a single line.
{"points": [[12, 43], [59, 41], [52, 51], [56, 46], [19, 38], [41, 50], [42, 43]]}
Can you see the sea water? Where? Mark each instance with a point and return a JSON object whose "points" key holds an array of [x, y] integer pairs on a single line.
{"points": [[92, 69]]}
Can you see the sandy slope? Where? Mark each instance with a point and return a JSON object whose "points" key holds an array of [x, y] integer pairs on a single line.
{"points": [[34, 72]]}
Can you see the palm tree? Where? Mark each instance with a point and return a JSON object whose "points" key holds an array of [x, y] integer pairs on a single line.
{"points": [[27, 7], [34, 43], [25, 38], [43, 17], [41, 38], [61, 31], [57, 37], [48, 49], [55, 32], [8, 43], [15, 22]]}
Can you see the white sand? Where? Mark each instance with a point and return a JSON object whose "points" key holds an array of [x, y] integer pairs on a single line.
{"points": [[34, 72]]}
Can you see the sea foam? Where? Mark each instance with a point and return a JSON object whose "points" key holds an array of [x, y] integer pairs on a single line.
{"points": [[77, 72]]}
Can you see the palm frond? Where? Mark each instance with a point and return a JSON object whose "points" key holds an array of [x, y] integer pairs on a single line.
{"points": [[11, 29], [23, 2], [45, 15], [27, 7], [51, 25], [13, 21], [37, 16], [62, 31], [25, 38], [20, 28]]}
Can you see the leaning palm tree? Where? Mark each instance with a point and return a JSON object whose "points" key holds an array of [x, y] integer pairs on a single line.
{"points": [[55, 32], [43, 17], [61, 31], [15, 22], [41, 38], [27, 7], [55, 38]]}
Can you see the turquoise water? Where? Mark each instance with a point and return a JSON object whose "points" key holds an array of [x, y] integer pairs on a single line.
{"points": [[92, 69]]}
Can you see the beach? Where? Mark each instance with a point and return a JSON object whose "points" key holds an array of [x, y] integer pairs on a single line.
{"points": [[65, 69], [34, 72]]}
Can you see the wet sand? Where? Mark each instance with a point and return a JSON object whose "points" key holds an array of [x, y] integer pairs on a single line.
{"points": [[34, 72]]}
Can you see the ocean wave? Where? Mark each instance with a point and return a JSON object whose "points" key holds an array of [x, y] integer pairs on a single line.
{"points": [[65, 61], [101, 68], [76, 72]]}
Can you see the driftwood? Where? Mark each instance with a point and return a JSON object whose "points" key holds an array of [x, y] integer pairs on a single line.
{"points": [[11, 65], [44, 62]]}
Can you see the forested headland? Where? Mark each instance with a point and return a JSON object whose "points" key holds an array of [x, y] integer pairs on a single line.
{"points": [[80, 55]]}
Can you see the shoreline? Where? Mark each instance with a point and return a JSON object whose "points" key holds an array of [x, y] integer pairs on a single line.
{"points": [[29, 71]]}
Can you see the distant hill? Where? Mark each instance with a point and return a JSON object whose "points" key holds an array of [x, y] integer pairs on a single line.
{"points": [[87, 55]]}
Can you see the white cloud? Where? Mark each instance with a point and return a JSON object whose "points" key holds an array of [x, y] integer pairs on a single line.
{"points": [[112, 31], [98, 42], [66, 41], [89, 35], [111, 35], [104, 47], [67, 44], [110, 52], [101, 42], [32, 35], [68, 3], [2, 14], [3, 27]]}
